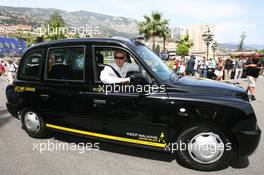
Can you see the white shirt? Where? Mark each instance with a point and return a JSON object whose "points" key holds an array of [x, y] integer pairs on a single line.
{"points": [[182, 69], [12, 67], [203, 64], [108, 76]]}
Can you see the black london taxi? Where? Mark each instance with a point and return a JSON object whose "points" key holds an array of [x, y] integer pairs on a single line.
{"points": [[204, 123]]}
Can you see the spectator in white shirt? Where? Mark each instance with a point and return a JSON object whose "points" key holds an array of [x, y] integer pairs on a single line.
{"points": [[239, 65], [203, 68], [11, 71], [109, 76]]}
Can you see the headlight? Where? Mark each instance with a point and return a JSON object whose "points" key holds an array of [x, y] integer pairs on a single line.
{"points": [[242, 96]]}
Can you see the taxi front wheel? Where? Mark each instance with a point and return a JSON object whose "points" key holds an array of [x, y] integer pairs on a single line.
{"points": [[33, 123], [207, 147]]}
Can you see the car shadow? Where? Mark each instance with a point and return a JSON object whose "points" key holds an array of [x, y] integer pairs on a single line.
{"points": [[4, 121], [3, 118], [239, 163], [236, 163], [3, 112], [115, 148]]}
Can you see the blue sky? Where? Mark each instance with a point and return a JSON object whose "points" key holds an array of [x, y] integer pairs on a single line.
{"points": [[230, 17]]}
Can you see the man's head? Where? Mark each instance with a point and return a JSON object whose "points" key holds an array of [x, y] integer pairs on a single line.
{"points": [[120, 57], [256, 56]]}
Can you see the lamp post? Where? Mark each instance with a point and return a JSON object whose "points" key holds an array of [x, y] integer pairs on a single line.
{"points": [[241, 45], [208, 39], [214, 47]]}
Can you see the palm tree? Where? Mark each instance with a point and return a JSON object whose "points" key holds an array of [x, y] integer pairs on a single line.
{"points": [[165, 34], [185, 40], [214, 47], [152, 26]]}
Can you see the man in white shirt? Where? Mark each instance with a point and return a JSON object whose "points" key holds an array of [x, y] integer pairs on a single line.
{"points": [[11, 71], [109, 76], [203, 67]]}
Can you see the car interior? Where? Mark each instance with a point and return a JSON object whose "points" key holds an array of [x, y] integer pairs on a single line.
{"points": [[104, 57], [67, 66], [32, 65]]}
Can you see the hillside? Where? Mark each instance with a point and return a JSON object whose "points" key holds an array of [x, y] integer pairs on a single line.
{"points": [[108, 25]]}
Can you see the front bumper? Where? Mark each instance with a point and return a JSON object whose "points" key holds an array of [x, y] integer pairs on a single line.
{"points": [[247, 141]]}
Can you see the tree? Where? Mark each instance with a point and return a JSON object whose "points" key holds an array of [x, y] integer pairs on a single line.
{"points": [[152, 26], [28, 37], [185, 40], [182, 50], [55, 28], [214, 47], [165, 34], [183, 45], [261, 51]]}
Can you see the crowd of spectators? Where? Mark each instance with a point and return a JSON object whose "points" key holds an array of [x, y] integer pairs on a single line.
{"points": [[223, 69], [8, 68]]}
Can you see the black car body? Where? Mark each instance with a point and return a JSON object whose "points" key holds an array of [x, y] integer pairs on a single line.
{"points": [[72, 102]]}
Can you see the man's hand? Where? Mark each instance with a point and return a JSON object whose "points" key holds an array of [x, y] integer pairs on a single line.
{"points": [[251, 65], [125, 81]]}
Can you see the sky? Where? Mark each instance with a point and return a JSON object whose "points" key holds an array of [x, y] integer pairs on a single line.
{"points": [[229, 17]]}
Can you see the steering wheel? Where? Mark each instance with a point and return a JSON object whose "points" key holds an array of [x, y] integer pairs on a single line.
{"points": [[129, 73]]}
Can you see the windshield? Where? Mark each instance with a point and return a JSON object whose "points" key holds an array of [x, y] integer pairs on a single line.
{"points": [[154, 62]]}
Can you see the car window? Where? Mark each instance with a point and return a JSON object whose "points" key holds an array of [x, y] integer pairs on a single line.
{"points": [[154, 62], [66, 63], [31, 64], [105, 56]]}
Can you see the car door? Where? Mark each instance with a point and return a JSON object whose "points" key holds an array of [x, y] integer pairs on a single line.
{"points": [[66, 82], [129, 114], [28, 84]]}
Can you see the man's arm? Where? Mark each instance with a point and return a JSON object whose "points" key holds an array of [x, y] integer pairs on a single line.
{"points": [[250, 65], [108, 76]]}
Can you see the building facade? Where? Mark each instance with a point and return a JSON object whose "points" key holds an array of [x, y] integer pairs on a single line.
{"points": [[195, 33]]}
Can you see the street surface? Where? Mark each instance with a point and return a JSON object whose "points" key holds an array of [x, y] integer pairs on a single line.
{"points": [[18, 156]]}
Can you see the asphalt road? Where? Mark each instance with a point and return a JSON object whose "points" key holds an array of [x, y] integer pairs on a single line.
{"points": [[19, 153]]}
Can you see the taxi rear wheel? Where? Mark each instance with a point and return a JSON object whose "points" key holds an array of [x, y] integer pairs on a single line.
{"points": [[33, 123]]}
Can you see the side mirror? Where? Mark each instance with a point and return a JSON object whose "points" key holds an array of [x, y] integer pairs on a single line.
{"points": [[138, 79]]}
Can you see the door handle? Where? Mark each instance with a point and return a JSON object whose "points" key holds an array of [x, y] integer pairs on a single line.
{"points": [[97, 101], [44, 96]]}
